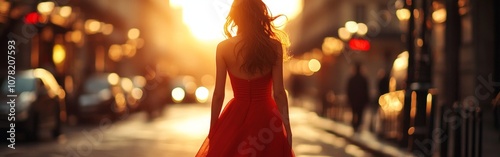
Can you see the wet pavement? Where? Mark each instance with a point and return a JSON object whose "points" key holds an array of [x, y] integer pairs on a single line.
{"points": [[177, 132]]}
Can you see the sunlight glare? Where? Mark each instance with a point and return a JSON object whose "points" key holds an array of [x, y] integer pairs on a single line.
{"points": [[205, 18], [195, 126], [176, 3]]}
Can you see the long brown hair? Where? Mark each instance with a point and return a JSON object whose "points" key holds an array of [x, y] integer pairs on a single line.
{"points": [[254, 24]]}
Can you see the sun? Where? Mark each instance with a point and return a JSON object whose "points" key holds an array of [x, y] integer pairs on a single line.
{"points": [[205, 18]]}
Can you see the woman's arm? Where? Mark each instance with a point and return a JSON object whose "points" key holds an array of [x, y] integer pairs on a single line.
{"points": [[220, 83], [280, 94]]}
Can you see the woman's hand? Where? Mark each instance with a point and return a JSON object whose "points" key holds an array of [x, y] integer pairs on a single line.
{"points": [[286, 123]]}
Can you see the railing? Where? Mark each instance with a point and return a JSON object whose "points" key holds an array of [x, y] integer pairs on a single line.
{"points": [[463, 127]]}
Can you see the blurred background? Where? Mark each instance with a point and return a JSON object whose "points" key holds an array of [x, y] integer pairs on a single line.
{"points": [[135, 78]]}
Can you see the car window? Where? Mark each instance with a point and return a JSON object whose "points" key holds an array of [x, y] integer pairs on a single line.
{"points": [[96, 84], [22, 85]]}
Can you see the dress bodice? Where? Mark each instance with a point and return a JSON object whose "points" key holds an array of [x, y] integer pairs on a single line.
{"points": [[256, 89]]}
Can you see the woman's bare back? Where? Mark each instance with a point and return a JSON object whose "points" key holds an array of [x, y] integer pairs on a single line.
{"points": [[230, 49]]}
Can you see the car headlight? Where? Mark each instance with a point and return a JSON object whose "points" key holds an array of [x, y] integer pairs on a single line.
{"points": [[201, 94], [178, 94]]}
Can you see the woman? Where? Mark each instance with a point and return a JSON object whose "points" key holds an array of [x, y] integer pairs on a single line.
{"points": [[255, 122]]}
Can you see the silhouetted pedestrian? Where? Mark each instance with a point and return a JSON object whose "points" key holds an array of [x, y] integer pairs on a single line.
{"points": [[357, 95]]}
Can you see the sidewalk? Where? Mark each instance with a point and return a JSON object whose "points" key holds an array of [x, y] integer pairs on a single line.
{"points": [[365, 139]]}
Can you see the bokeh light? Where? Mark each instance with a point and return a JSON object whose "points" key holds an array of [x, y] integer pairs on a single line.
{"points": [[76, 36], [45, 8], [314, 65], [202, 94], [139, 81], [127, 84], [401, 63], [137, 93], [134, 33], [178, 94], [113, 78], [439, 16], [120, 102], [351, 26], [403, 14], [362, 29], [107, 29], [344, 34], [115, 52], [59, 54], [332, 46], [65, 11], [92, 26]]}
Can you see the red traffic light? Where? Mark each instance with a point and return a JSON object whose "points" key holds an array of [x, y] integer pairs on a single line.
{"points": [[359, 44], [32, 18]]}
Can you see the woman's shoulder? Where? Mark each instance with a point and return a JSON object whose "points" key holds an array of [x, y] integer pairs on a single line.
{"points": [[228, 43], [223, 45], [232, 40]]}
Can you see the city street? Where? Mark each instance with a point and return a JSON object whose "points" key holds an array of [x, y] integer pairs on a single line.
{"points": [[136, 78], [177, 132]]}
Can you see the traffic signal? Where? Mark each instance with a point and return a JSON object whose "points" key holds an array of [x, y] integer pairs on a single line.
{"points": [[32, 18], [359, 44]]}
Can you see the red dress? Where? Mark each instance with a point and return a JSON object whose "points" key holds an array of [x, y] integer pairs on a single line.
{"points": [[250, 125]]}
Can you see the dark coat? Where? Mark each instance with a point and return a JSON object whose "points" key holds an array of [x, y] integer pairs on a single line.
{"points": [[357, 92]]}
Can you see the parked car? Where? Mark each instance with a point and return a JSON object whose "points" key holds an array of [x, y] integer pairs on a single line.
{"points": [[102, 96], [39, 105], [392, 104]]}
